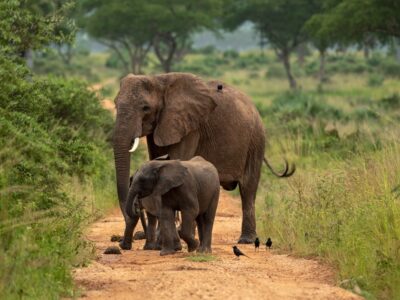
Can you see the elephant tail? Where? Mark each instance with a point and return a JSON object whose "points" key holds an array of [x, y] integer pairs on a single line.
{"points": [[289, 171]]}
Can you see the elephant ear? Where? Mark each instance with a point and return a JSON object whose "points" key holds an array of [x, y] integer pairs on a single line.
{"points": [[171, 175], [187, 102]]}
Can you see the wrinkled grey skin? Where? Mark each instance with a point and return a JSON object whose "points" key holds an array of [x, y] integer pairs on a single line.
{"points": [[163, 187], [184, 116]]}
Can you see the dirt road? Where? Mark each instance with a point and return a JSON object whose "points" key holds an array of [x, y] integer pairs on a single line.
{"points": [[139, 274]]}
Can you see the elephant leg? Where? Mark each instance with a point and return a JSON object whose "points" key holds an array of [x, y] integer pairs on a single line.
{"points": [[130, 225], [200, 229], [187, 231], [208, 218], [151, 236], [167, 231], [177, 241], [248, 190]]}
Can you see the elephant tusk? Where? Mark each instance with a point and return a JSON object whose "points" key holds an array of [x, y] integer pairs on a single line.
{"points": [[135, 145]]}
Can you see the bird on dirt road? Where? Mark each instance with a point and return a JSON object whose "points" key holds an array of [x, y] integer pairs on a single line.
{"points": [[268, 243], [256, 244], [237, 252]]}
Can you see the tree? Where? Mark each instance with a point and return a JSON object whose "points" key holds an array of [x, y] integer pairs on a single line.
{"points": [[28, 25], [136, 26], [279, 21], [352, 19], [177, 20], [321, 41], [126, 26]]}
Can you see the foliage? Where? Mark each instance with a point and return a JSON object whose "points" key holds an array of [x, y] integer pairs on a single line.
{"points": [[28, 25], [165, 26], [280, 22], [353, 20], [51, 130]]}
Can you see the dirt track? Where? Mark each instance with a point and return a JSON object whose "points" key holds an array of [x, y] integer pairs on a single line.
{"points": [[139, 274]]}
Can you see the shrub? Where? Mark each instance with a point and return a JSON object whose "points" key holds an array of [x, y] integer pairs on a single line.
{"points": [[391, 67], [375, 80], [51, 130], [230, 54]]}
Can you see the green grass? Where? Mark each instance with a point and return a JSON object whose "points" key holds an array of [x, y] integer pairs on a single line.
{"points": [[201, 257]]}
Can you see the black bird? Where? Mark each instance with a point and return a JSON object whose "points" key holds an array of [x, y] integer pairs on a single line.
{"points": [[256, 244], [268, 243], [237, 252]]}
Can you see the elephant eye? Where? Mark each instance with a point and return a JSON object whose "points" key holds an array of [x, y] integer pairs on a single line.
{"points": [[146, 108]]}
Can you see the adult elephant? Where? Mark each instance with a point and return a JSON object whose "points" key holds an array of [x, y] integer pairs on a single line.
{"points": [[184, 116]]}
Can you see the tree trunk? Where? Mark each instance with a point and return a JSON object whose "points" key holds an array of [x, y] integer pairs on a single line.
{"points": [[301, 54], [366, 51], [286, 62], [321, 73], [397, 48], [166, 60]]}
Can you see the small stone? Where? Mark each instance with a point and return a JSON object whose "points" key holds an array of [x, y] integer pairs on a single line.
{"points": [[139, 235], [112, 250], [116, 238]]}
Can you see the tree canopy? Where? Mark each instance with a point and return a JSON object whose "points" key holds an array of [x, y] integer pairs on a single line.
{"points": [[281, 22], [29, 25], [136, 26]]}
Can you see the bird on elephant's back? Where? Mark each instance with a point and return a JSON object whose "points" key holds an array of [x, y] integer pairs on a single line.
{"points": [[183, 116]]}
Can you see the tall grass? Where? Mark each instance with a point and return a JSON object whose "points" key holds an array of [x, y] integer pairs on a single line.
{"points": [[349, 214]]}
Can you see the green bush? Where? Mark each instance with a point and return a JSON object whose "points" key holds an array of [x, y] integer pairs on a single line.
{"points": [[391, 67], [251, 61], [51, 130], [375, 80], [230, 54]]}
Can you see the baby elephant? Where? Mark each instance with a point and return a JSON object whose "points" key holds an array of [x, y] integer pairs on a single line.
{"points": [[191, 187]]}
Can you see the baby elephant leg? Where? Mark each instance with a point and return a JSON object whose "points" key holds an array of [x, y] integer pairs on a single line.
{"points": [[167, 231], [151, 237], [208, 222], [186, 232]]}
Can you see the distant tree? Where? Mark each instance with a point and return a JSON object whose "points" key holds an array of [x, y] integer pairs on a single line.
{"points": [[28, 25], [279, 21], [354, 19], [177, 20], [126, 26], [321, 41], [135, 26]]}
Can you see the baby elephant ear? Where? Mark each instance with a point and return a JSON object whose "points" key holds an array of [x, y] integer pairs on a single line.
{"points": [[187, 103], [171, 175]]}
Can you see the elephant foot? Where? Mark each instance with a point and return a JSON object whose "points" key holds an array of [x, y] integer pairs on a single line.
{"points": [[125, 245], [164, 252], [139, 235], [204, 250], [151, 246], [247, 239], [178, 246], [192, 246]]}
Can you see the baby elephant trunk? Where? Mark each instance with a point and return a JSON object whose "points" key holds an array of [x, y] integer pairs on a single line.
{"points": [[132, 207]]}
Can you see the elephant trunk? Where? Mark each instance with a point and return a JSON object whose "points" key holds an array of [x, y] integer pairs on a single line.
{"points": [[124, 134], [131, 212]]}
